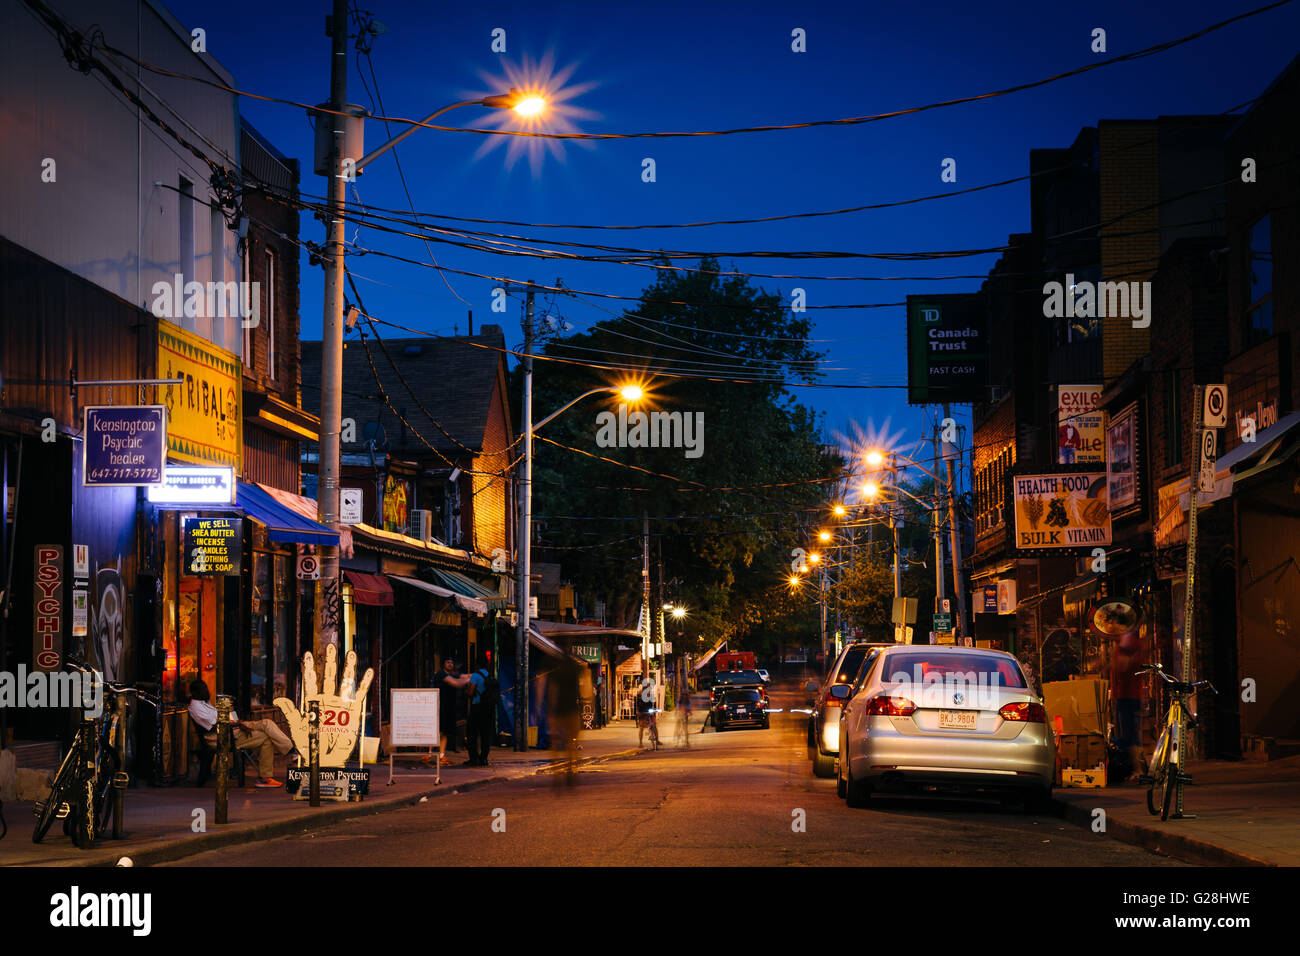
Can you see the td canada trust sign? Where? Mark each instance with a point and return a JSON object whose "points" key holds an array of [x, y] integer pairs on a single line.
{"points": [[947, 349]]}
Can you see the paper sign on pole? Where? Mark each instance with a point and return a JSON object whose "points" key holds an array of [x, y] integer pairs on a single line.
{"points": [[1209, 454]]}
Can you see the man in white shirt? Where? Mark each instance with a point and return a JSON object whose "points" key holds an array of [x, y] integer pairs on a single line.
{"points": [[260, 735]]}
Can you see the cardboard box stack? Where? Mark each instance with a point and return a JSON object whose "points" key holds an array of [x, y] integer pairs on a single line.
{"points": [[1078, 710]]}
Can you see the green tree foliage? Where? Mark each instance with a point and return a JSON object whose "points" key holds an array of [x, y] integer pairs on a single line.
{"points": [[728, 542]]}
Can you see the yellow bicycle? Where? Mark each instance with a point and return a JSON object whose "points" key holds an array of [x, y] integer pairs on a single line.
{"points": [[1164, 774]]}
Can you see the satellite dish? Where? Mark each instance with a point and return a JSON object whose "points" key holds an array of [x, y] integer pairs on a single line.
{"points": [[374, 434]]}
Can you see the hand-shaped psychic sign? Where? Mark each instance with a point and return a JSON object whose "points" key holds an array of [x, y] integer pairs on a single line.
{"points": [[340, 714]]}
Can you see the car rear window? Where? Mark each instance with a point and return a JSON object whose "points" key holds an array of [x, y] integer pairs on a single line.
{"points": [[919, 666], [738, 677], [740, 697], [848, 668]]}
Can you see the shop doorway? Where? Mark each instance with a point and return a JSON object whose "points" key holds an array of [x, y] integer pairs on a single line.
{"points": [[197, 637]]}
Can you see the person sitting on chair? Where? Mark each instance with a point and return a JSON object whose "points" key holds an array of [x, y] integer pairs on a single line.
{"points": [[262, 736]]}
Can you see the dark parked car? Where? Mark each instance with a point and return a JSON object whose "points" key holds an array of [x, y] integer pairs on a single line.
{"points": [[824, 721], [740, 708], [737, 680]]}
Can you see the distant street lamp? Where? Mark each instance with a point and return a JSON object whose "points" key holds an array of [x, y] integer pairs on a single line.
{"points": [[630, 392]]}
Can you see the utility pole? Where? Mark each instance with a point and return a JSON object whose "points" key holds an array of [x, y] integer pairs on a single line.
{"points": [[645, 594], [1189, 596], [937, 524], [955, 532], [895, 513], [331, 394], [523, 559], [659, 611]]}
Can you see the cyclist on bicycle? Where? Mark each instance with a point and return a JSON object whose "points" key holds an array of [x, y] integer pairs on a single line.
{"points": [[645, 709]]}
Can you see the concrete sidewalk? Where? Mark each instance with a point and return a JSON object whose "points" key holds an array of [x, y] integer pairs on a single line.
{"points": [[161, 821], [1247, 813]]}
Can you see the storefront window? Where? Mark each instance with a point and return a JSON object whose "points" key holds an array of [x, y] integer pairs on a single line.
{"points": [[260, 616], [283, 624]]}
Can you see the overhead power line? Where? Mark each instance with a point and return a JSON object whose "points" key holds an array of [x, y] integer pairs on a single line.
{"points": [[1153, 50]]}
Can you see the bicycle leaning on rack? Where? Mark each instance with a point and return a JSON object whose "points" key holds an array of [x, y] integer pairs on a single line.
{"points": [[86, 788], [1164, 774]]}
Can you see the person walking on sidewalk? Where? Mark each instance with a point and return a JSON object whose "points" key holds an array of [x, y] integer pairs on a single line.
{"points": [[566, 714], [684, 717], [484, 693], [645, 709], [260, 735]]}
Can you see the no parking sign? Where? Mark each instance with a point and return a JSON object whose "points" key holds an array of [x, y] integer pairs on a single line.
{"points": [[308, 567]]}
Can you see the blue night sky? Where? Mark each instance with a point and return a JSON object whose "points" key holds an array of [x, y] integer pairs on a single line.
{"points": [[635, 67]]}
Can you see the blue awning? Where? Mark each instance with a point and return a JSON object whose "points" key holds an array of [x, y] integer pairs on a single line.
{"points": [[282, 524]]}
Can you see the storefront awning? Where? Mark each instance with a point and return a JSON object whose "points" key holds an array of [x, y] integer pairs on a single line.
{"points": [[709, 656], [370, 589], [465, 603], [1269, 449], [282, 523], [1272, 447], [561, 629], [308, 509], [543, 643], [463, 584]]}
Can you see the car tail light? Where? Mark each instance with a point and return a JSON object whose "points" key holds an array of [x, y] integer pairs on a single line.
{"points": [[1029, 711], [883, 705]]}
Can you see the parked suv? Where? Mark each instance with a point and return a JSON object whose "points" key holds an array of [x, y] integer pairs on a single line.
{"points": [[737, 680], [824, 721]]}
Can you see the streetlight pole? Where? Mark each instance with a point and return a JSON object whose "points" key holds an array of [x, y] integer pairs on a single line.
{"points": [[523, 560], [955, 532], [339, 170], [645, 594], [524, 532]]}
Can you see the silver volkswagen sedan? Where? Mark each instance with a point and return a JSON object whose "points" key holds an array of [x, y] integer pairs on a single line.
{"points": [[947, 720]]}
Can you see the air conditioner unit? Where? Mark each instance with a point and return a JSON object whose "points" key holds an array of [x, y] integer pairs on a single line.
{"points": [[421, 525]]}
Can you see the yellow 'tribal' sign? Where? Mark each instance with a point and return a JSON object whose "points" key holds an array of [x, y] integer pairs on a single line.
{"points": [[204, 412]]}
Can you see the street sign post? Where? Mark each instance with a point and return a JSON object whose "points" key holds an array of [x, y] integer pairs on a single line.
{"points": [[349, 505], [1215, 412], [1209, 449]]}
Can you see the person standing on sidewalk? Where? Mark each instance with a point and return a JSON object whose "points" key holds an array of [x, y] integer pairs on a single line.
{"points": [[449, 684], [484, 692]]}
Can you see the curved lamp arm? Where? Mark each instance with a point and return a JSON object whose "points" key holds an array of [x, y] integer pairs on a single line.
{"points": [[564, 408]]}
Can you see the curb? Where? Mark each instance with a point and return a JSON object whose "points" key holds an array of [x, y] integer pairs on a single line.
{"points": [[159, 851], [1179, 846]]}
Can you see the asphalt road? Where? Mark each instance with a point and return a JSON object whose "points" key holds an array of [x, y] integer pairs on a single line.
{"points": [[745, 797]]}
